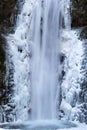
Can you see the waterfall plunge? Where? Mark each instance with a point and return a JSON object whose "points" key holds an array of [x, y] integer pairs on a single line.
{"points": [[38, 33], [45, 59]]}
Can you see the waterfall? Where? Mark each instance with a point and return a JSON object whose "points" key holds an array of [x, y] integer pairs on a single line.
{"points": [[45, 59], [34, 48]]}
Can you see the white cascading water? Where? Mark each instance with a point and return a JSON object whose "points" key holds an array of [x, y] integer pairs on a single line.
{"points": [[34, 49], [45, 59]]}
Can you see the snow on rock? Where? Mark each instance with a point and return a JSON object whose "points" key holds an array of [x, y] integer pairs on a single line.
{"points": [[72, 48]]}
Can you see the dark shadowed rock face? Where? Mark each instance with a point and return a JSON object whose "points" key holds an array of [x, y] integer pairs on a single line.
{"points": [[79, 13], [7, 9]]}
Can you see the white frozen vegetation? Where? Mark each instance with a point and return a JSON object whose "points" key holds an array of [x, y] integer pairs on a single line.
{"points": [[72, 47], [19, 51]]}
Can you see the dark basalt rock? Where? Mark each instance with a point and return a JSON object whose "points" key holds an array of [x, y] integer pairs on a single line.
{"points": [[79, 13], [83, 34], [8, 15]]}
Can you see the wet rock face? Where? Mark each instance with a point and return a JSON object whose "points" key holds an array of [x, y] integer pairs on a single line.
{"points": [[7, 8], [2, 71], [79, 13]]}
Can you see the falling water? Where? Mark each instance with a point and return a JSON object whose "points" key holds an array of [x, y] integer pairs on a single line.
{"points": [[45, 59], [35, 48]]}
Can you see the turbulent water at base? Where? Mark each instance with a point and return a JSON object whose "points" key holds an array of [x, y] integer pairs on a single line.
{"points": [[35, 48]]}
